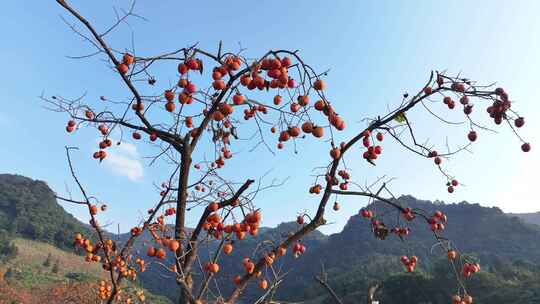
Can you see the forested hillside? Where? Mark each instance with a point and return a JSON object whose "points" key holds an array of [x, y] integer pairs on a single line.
{"points": [[28, 208]]}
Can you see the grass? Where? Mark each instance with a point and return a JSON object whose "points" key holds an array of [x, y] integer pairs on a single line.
{"points": [[27, 272], [32, 254]]}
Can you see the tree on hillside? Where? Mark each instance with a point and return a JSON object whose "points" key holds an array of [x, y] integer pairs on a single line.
{"points": [[221, 102], [56, 266], [48, 260], [7, 248]]}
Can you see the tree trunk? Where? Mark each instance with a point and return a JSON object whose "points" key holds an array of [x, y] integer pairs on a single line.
{"points": [[180, 233], [183, 297]]}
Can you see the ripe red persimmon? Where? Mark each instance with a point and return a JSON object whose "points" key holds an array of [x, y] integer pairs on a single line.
{"points": [[193, 64], [307, 127], [319, 85], [182, 68], [219, 84], [320, 105], [519, 122], [335, 153], [151, 251], [277, 100], [128, 59], [174, 245], [318, 132], [213, 207], [170, 106], [89, 114], [227, 248], [472, 136], [169, 95], [284, 136], [238, 99], [122, 68], [286, 61], [160, 253]]}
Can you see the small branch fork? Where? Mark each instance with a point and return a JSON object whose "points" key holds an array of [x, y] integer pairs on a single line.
{"points": [[323, 280]]}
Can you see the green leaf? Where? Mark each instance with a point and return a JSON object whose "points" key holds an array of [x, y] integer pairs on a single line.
{"points": [[400, 117]]}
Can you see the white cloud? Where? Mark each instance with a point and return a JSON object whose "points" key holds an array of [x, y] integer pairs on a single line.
{"points": [[124, 160]]}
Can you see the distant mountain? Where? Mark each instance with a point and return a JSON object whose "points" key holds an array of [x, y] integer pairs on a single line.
{"points": [[487, 233], [531, 218]]}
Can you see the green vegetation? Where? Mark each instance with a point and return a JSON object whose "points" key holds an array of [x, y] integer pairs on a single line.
{"points": [[47, 262], [507, 282], [56, 267], [34, 265], [27, 277], [79, 276], [7, 249], [28, 209]]}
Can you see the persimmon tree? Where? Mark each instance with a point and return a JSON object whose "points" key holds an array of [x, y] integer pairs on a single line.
{"points": [[279, 100]]}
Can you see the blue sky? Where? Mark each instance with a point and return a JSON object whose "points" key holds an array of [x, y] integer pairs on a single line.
{"points": [[375, 51]]}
